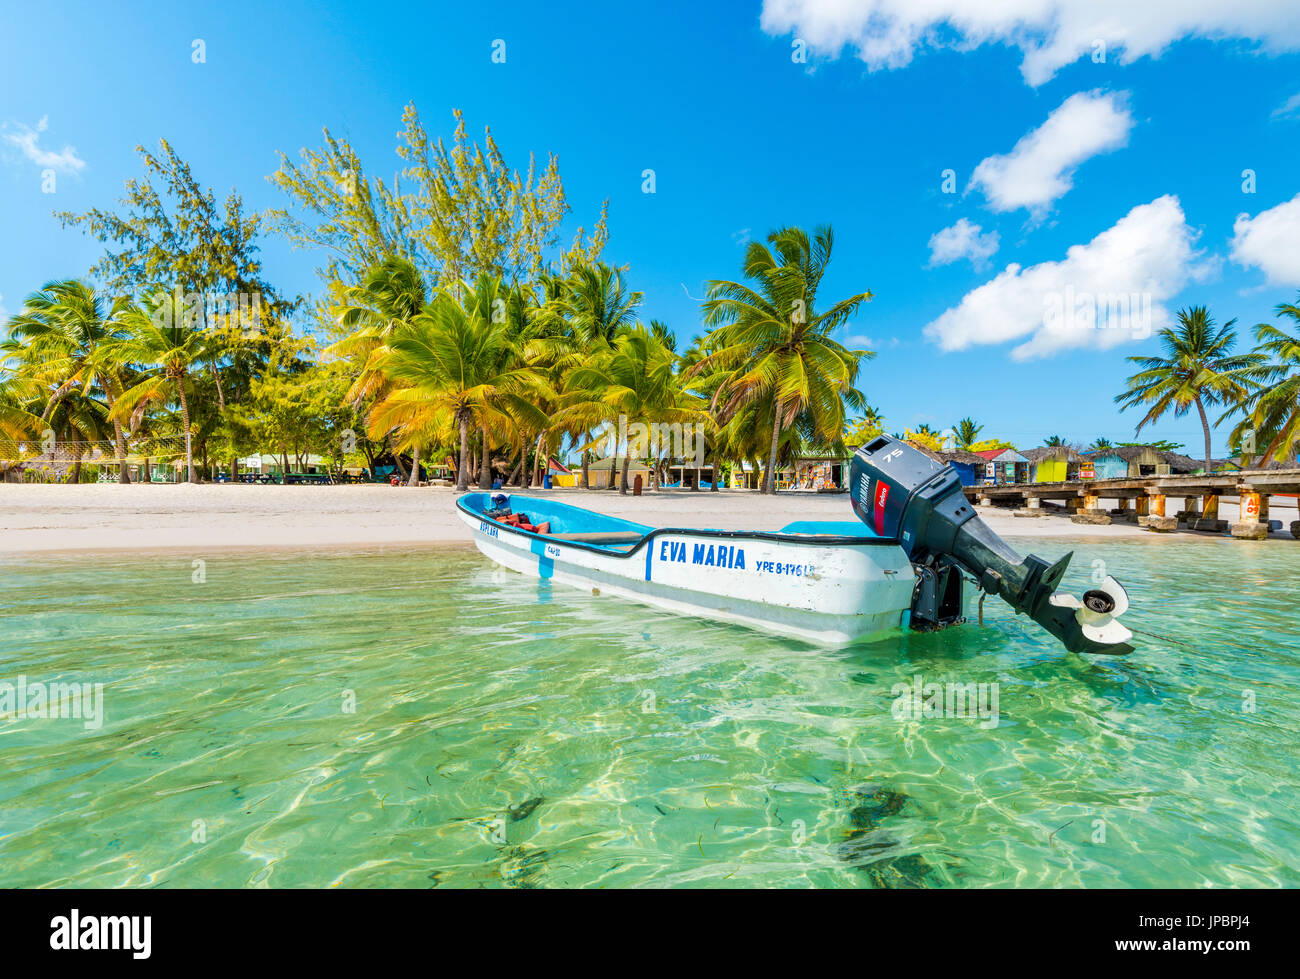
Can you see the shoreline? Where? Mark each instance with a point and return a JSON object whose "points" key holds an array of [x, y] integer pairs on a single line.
{"points": [[108, 518]]}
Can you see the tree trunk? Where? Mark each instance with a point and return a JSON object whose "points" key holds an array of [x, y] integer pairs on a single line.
{"points": [[485, 470], [516, 477], [415, 466], [397, 459], [714, 472], [119, 449], [613, 468], [622, 485], [1205, 424], [771, 457], [185, 417], [586, 482], [462, 470]]}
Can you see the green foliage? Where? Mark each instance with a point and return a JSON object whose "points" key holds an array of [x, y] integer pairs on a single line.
{"points": [[783, 369]]}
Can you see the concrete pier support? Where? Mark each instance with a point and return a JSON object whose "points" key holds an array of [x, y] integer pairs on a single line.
{"points": [[1157, 522], [1209, 516], [1090, 512], [1249, 527], [1034, 503]]}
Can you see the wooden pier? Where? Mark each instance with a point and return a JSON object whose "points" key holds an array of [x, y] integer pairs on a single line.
{"points": [[1159, 503]]}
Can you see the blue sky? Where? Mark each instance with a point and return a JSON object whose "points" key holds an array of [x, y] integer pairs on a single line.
{"points": [[1091, 176]]}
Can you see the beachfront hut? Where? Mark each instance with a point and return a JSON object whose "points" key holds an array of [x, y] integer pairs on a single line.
{"points": [[744, 476], [970, 467], [822, 472], [686, 475], [1130, 461], [1004, 466], [1052, 463], [598, 472]]}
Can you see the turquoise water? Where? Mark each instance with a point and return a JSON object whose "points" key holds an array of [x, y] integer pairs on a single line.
{"points": [[507, 733]]}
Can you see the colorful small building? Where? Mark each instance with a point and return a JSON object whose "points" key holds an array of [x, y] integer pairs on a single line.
{"points": [[1052, 463], [1004, 466], [1130, 461]]}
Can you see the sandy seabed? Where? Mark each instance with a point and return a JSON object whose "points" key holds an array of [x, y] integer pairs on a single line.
{"points": [[149, 516]]}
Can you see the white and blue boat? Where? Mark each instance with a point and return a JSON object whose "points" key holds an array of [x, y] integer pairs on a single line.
{"points": [[823, 582], [904, 562]]}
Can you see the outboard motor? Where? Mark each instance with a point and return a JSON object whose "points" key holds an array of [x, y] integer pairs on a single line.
{"points": [[903, 493]]}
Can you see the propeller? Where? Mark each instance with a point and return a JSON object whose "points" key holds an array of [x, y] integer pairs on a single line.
{"points": [[1097, 612]]}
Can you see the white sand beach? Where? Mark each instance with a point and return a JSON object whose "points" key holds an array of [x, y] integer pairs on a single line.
{"points": [[143, 517]]}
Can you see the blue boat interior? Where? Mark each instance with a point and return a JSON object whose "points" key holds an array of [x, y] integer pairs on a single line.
{"points": [[831, 528], [566, 519]]}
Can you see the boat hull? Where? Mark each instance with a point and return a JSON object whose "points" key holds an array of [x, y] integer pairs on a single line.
{"points": [[827, 590]]}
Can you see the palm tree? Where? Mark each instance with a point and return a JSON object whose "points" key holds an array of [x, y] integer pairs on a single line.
{"points": [[160, 338], [582, 316], [862, 430], [64, 331], [1198, 369], [451, 365], [1054, 442], [390, 295], [777, 347], [1100, 444], [1273, 410], [636, 378], [967, 433]]}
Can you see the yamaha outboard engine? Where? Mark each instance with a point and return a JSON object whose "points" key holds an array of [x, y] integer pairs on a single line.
{"points": [[903, 493]]}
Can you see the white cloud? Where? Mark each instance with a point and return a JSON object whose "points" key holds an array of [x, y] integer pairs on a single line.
{"points": [[1040, 167], [27, 141], [1049, 33], [963, 240], [1270, 241], [1288, 109], [1103, 293]]}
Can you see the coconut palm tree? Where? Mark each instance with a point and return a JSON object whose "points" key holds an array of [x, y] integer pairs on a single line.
{"points": [[580, 319], [390, 295], [966, 433], [635, 378], [1054, 442], [1100, 444], [64, 331], [1272, 411], [160, 338], [781, 345], [1198, 369], [862, 430], [453, 366]]}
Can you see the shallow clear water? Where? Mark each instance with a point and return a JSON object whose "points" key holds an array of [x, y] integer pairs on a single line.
{"points": [[507, 733]]}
